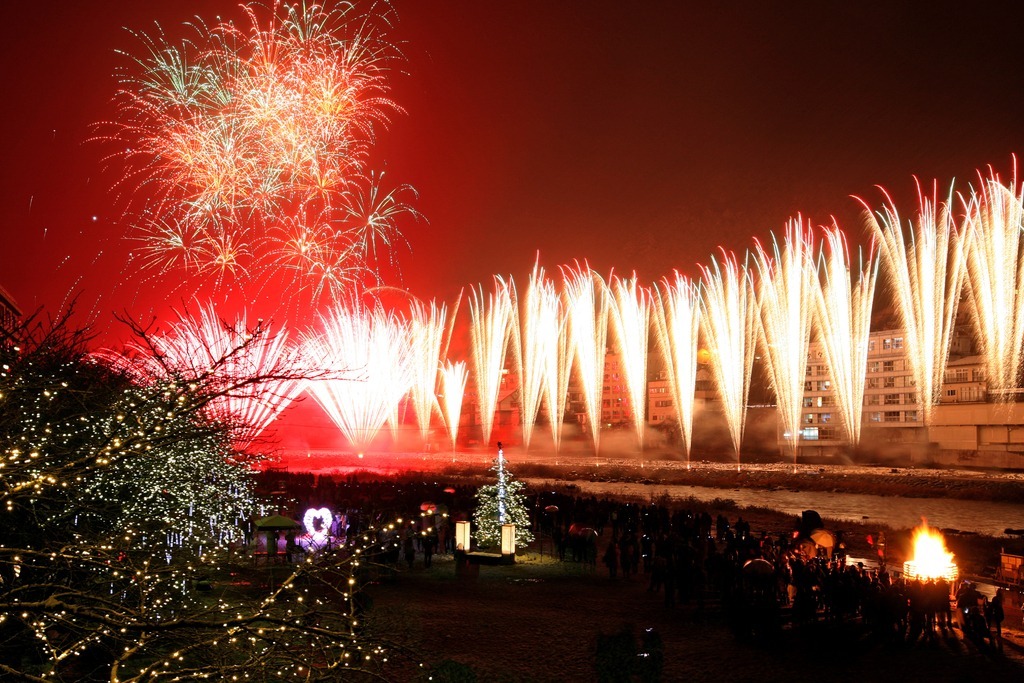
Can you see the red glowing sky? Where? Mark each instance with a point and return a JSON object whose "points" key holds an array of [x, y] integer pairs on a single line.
{"points": [[639, 136]]}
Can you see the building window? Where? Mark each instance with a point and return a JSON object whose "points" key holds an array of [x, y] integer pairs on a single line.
{"points": [[874, 366], [897, 342], [892, 399], [889, 366], [950, 392], [876, 417], [889, 382], [892, 416], [886, 344], [808, 401], [911, 416]]}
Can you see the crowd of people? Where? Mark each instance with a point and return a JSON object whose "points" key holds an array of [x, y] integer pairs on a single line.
{"points": [[761, 581]]}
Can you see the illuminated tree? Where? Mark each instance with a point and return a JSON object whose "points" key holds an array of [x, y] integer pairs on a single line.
{"points": [[122, 505], [502, 502]]}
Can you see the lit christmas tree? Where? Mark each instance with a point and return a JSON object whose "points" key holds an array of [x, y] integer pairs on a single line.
{"points": [[501, 503], [123, 501]]}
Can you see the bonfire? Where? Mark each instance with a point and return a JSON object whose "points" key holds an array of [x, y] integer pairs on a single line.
{"points": [[931, 559]]}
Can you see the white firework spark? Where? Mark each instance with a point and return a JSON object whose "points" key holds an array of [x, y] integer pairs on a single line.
{"points": [[787, 286], [677, 324], [844, 326], [728, 308]]}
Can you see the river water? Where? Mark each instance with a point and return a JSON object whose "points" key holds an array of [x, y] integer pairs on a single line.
{"points": [[978, 516]]}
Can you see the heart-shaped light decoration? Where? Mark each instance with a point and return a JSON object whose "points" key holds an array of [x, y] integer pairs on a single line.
{"points": [[310, 518]]}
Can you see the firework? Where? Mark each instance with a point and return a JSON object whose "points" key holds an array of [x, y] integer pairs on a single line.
{"points": [[367, 358], [995, 280], [677, 322], [728, 309], [587, 309], [427, 333], [925, 277], [786, 298], [556, 390], [490, 325], [246, 147], [453, 382], [255, 373], [539, 350], [631, 311], [844, 324]]}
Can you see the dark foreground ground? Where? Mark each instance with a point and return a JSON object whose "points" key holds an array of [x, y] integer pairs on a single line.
{"points": [[541, 620]]}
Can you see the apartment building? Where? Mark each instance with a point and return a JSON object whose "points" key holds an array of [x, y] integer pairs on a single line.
{"points": [[964, 422]]}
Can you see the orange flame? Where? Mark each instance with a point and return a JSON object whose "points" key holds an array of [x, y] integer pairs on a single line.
{"points": [[931, 559]]}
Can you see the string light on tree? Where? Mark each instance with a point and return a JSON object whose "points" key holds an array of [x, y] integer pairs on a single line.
{"points": [[501, 503]]}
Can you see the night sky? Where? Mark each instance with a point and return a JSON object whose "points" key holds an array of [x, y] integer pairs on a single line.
{"points": [[638, 136]]}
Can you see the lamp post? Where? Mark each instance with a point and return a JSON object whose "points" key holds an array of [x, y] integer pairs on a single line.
{"points": [[508, 541], [462, 539]]}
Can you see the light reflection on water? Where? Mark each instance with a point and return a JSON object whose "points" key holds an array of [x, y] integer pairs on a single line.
{"points": [[983, 517]]}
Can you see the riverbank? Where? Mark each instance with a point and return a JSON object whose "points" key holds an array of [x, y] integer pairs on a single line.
{"points": [[907, 482], [980, 554], [885, 481]]}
